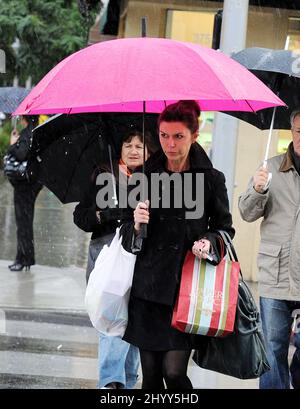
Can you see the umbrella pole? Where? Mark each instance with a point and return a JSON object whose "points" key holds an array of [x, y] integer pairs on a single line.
{"points": [[269, 138], [268, 149], [143, 232], [115, 198], [144, 146]]}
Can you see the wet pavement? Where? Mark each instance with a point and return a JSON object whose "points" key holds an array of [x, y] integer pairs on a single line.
{"points": [[47, 350]]}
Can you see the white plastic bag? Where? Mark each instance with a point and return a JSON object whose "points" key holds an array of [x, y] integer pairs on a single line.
{"points": [[108, 290]]}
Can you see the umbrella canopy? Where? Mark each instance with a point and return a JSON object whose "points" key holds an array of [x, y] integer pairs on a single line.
{"points": [[11, 97], [67, 148], [280, 71], [119, 75]]}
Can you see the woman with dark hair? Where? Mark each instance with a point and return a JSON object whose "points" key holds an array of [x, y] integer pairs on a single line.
{"points": [[118, 360], [164, 350], [25, 194]]}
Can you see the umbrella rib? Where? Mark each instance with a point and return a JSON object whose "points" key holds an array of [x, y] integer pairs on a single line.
{"points": [[250, 106]]}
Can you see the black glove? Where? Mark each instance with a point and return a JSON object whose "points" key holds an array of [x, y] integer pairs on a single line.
{"points": [[110, 214]]}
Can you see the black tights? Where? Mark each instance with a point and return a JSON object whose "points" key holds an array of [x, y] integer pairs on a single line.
{"points": [[170, 366]]}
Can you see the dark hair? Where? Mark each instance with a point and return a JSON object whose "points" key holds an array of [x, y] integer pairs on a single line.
{"points": [[32, 120], [148, 139], [187, 112]]}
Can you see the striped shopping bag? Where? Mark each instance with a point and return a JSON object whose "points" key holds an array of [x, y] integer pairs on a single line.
{"points": [[207, 299]]}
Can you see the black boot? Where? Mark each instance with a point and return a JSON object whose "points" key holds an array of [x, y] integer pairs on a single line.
{"points": [[15, 262], [19, 267]]}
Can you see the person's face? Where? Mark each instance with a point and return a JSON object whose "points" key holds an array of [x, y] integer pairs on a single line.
{"points": [[296, 134], [23, 122], [132, 153], [176, 140]]}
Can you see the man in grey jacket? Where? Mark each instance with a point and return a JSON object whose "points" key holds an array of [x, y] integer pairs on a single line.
{"points": [[278, 257]]}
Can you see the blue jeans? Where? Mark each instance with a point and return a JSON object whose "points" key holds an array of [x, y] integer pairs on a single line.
{"points": [[118, 362], [295, 364], [277, 322]]}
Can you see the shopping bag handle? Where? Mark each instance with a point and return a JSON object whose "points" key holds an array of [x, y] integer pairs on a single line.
{"points": [[229, 246], [228, 243]]}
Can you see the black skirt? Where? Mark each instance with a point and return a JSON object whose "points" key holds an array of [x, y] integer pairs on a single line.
{"points": [[149, 328]]}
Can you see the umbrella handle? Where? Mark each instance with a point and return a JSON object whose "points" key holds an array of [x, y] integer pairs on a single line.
{"points": [[143, 231], [267, 185]]}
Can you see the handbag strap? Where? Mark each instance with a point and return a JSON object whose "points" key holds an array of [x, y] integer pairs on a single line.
{"points": [[230, 248], [228, 243], [222, 248]]}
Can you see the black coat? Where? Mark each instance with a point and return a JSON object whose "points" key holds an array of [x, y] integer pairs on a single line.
{"points": [[170, 234], [20, 150], [84, 215]]}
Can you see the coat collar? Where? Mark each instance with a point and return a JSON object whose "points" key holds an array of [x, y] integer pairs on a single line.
{"points": [[287, 162], [198, 160]]}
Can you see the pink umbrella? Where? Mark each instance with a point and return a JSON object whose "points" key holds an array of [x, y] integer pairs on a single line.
{"points": [[119, 75]]}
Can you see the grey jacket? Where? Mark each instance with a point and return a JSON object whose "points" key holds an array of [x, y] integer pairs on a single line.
{"points": [[279, 252]]}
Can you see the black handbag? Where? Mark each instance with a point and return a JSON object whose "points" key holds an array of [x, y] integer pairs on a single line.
{"points": [[241, 354], [13, 168]]}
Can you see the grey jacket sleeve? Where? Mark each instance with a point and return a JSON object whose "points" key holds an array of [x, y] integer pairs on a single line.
{"points": [[252, 204]]}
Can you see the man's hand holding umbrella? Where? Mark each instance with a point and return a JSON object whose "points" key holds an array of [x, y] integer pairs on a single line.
{"points": [[260, 180]]}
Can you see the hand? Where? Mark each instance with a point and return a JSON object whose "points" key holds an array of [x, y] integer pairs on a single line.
{"points": [[201, 248], [14, 136], [260, 179], [109, 214], [98, 216], [141, 215]]}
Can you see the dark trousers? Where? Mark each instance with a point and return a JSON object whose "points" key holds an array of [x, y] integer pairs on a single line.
{"points": [[24, 199]]}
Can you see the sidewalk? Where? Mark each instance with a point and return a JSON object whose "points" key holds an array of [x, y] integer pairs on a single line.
{"points": [[46, 339], [43, 287]]}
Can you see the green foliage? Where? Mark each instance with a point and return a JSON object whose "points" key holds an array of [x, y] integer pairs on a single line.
{"points": [[5, 131], [48, 30]]}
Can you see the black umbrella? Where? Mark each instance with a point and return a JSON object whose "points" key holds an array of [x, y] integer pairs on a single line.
{"points": [[67, 148], [280, 71], [11, 98]]}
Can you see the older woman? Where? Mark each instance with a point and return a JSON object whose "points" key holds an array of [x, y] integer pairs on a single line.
{"points": [[118, 360], [165, 351]]}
